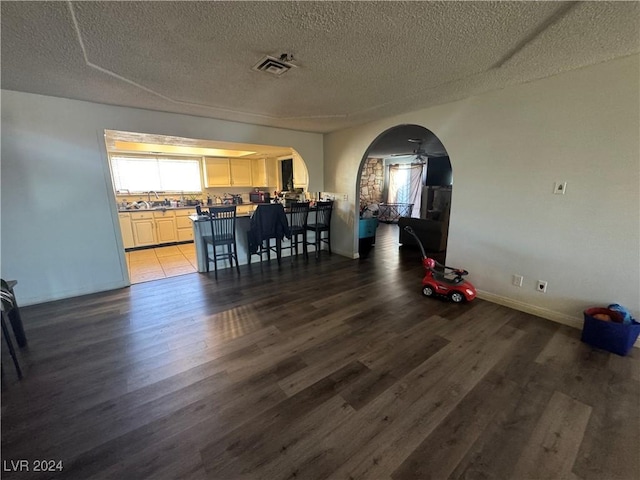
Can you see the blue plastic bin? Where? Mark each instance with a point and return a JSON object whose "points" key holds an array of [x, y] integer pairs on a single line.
{"points": [[367, 235], [611, 336], [368, 227]]}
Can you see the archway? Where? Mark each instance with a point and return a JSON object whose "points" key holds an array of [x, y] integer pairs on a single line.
{"points": [[405, 177]]}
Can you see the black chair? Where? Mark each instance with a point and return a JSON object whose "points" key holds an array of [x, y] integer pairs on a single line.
{"points": [[298, 214], [8, 305], [322, 224], [223, 233], [13, 313], [267, 222]]}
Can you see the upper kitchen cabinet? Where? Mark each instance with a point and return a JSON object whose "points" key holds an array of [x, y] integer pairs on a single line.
{"points": [[265, 172], [273, 179], [259, 172], [217, 172], [240, 172], [227, 172], [300, 176]]}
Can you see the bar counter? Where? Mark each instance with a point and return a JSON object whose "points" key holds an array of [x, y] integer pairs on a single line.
{"points": [[202, 226]]}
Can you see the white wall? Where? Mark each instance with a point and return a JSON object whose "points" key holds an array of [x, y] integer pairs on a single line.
{"points": [[59, 222], [507, 149]]}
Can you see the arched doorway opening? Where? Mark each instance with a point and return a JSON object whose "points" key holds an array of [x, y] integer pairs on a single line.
{"points": [[405, 178]]}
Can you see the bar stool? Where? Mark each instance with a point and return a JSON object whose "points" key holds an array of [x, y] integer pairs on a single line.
{"points": [[223, 233], [322, 224], [267, 222], [298, 215]]}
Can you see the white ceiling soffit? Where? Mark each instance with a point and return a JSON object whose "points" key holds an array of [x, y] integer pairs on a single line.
{"points": [[261, 151], [356, 61]]}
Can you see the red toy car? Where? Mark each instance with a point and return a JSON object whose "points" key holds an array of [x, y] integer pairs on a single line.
{"points": [[442, 280]]}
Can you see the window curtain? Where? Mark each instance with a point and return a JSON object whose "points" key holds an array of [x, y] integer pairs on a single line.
{"points": [[405, 186]]}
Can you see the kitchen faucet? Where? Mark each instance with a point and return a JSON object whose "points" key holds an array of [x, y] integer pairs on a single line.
{"points": [[155, 193]]}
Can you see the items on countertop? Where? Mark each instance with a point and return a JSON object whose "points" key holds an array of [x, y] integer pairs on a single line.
{"points": [[257, 196]]}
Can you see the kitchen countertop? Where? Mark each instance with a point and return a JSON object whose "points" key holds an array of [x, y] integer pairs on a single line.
{"points": [[192, 207], [153, 209], [156, 209], [202, 218]]}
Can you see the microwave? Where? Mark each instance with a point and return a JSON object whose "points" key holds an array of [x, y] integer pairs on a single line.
{"points": [[259, 197]]}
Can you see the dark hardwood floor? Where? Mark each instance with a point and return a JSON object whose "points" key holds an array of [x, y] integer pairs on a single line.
{"points": [[334, 368]]}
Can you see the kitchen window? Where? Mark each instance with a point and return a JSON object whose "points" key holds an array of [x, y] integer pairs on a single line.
{"points": [[162, 174]]}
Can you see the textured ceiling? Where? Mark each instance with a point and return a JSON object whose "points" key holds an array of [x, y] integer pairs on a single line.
{"points": [[356, 61]]}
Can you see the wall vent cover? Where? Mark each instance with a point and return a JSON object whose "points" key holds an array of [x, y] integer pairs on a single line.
{"points": [[272, 65]]}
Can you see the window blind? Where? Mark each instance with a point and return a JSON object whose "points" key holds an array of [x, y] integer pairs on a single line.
{"points": [[143, 174]]}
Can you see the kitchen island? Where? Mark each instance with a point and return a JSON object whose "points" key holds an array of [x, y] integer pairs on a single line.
{"points": [[202, 226]]}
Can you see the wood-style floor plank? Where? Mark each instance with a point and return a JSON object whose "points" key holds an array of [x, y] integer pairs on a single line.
{"points": [[331, 368], [440, 452], [552, 448]]}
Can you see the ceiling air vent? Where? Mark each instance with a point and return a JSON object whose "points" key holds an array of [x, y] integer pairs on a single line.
{"points": [[273, 65]]}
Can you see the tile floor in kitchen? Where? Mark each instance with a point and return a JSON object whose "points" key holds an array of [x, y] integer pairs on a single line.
{"points": [[161, 262]]}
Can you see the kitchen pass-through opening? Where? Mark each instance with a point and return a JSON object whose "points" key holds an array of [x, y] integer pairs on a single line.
{"points": [[159, 181]]}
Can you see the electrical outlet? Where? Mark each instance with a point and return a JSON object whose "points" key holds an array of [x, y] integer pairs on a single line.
{"points": [[345, 197], [542, 286], [517, 280], [559, 188]]}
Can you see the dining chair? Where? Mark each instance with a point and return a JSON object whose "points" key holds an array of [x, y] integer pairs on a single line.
{"points": [[322, 224], [8, 304], [13, 312], [223, 234], [267, 222], [298, 214]]}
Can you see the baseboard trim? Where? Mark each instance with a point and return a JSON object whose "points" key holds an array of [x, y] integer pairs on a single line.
{"points": [[158, 245], [552, 315], [72, 293], [342, 253], [532, 309]]}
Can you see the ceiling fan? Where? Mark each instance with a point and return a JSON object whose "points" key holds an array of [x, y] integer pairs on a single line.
{"points": [[419, 152]]}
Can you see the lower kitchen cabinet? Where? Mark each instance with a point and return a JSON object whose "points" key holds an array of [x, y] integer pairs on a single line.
{"points": [[147, 228], [127, 231], [144, 232], [185, 234], [184, 226], [165, 226], [245, 209]]}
